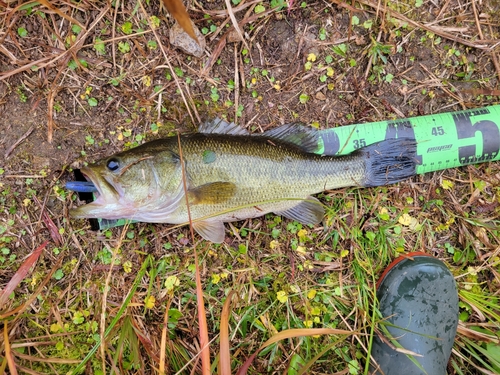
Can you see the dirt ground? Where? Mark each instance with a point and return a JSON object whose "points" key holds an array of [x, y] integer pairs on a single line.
{"points": [[321, 63]]}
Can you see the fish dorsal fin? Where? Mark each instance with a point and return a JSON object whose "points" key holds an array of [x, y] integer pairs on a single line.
{"points": [[210, 230], [307, 139], [212, 193], [219, 126], [309, 211]]}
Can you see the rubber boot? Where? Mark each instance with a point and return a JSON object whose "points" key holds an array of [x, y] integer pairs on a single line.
{"points": [[418, 293]]}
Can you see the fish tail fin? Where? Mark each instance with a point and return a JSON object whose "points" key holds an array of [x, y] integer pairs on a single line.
{"points": [[390, 161]]}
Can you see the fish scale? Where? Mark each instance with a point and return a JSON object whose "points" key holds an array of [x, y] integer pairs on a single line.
{"points": [[263, 172]]}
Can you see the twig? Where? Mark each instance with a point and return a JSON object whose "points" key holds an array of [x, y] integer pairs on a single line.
{"points": [[113, 35], [50, 113], [8, 351], [476, 17], [26, 67], [163, 341], [235, 22], [236, 84], [496, 63], [19, 141], [62, 14]]}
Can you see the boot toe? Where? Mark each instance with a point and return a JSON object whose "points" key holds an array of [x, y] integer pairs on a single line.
{"points": [[418, 297]]}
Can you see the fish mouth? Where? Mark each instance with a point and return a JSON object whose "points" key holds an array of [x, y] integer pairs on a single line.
{"points": [[105, 201]]}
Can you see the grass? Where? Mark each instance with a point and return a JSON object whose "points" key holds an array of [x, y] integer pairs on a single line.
{"points": [[94, 78]]}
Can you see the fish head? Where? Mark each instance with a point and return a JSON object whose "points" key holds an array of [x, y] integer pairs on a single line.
{"points": [[129, 186]]}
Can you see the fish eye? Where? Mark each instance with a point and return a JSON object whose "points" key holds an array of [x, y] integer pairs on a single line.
{"points": [[113, 165]]}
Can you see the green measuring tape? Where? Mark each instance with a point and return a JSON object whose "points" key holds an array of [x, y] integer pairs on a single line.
{"points": [[446, 140]]}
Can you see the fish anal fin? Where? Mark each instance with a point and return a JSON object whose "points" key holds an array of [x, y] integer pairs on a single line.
{"points": [[309, 211], [212, 193], [210, 230]]}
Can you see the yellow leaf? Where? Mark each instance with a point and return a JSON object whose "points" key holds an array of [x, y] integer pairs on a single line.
{"points": [[274, 244], [277, 86], [268, 324], [405, 219], [344, 253], [171, 282], [215, 278], [26, 202], [308, 323], [127, 266], [311, 294], [302, 233], [282, 296], [446, 184], [329, 72], [146, 80], [149, 302], [311, 57], [414, 224], [55, 328], [301, 250], [154, 22]]}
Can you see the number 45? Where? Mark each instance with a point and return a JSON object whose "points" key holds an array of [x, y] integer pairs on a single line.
{"points": [[438, 130]]}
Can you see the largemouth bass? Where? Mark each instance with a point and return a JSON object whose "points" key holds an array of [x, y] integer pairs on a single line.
{"points": [[230, 175]]}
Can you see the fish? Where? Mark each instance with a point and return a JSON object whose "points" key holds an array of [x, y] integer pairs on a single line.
{"points": [[224, 174]]}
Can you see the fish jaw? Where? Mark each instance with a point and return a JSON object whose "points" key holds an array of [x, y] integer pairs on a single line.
{"points": [[108, 204], [112, 201]]}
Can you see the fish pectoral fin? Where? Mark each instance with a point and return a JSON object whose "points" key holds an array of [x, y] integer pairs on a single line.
{"points": [[309, 211], [210, 230], [212, 193]]}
